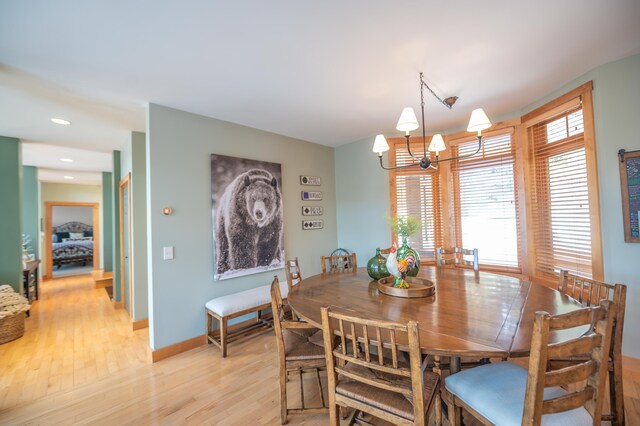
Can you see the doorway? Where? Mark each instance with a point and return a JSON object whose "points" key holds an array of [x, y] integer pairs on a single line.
{"points": [[72, 237], [125, 244]]}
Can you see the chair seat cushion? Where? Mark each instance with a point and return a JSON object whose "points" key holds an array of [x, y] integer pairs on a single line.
{"points": [[241, 301], [391, 402], [297, 346], [496, 391]]}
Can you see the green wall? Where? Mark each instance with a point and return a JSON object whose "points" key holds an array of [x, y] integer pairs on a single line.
{"points": [[616, 98], [179, 145], [363, 200], [133, 160], [10, 216], [30, 214], [116, 225], [107, 222]]}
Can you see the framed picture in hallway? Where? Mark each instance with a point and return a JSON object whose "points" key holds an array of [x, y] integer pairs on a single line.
{"points": [[246, 207]]}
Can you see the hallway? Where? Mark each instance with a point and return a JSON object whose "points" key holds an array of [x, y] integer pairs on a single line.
{"points": [[73, 336]]}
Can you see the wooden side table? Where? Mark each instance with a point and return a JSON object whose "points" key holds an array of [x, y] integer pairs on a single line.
{"points": [[30, 280]]}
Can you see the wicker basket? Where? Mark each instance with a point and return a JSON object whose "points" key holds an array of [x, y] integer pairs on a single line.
{"points": [[11, 327]]}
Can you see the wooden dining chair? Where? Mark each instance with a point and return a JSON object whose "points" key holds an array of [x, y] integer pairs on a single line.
{"points": [[360, 377], [292, 272], [457, 256], [590, 292], [295, 354], [505, 394], [341, 263]]}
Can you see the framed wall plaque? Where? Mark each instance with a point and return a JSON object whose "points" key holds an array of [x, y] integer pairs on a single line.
{"points": [[310, 180], [312, 211], [630, 184], [312, 224], [311, 195]]}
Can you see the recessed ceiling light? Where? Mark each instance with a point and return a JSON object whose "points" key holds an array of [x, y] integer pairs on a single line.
{"points": [[61, 121], [69, 177], [66, 160]]}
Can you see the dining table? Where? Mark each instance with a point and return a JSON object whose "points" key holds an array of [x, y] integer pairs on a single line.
{"points": [[472, 313]]}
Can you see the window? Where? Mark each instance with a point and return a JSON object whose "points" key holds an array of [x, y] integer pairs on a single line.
{"points": [[528, 201], [416, 192], [561, 207], [485, 204]]}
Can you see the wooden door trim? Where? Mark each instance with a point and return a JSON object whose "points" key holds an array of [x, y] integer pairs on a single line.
{"points": [[125, 182], [48, 228]]}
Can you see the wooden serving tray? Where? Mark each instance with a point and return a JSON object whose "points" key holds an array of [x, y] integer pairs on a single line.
{"points": [[418, 287]]}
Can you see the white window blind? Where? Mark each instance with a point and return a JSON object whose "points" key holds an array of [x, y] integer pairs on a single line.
{"points": [[417, 194], [562, 226], [486, 208]]}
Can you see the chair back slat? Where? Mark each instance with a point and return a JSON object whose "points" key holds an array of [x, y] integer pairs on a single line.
{"points": [[568, 402], [574, 347], [573, 319], [340, 263], [381, 384], [593, 369], [379, 340], [365, 338], [572, 374], [383, 368], [343, 337], [457, 256]]}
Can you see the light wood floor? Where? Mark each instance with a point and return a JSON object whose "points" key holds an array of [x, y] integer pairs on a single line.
{"points": [[64, 371]]}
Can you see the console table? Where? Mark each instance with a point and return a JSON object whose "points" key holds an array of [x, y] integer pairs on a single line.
{"points": [[30, 280]]}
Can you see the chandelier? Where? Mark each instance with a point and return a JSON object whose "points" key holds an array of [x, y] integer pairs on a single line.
{"points": [[408, 122]]}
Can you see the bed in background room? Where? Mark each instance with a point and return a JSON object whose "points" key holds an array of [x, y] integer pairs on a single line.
{"points": [[72, 243]]}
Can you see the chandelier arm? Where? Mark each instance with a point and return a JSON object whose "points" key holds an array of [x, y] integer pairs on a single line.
{"points": [[397, 167], [409, 148], [464, 156]]}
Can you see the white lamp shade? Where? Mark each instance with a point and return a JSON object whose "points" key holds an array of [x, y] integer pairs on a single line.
{"points": [[380, 144], [437, 143], [408, 120], [478, 121]]}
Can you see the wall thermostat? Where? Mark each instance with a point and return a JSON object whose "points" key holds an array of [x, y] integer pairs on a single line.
{"points": [[310, 180], [311, 195], [311, 211], [312, 224]]}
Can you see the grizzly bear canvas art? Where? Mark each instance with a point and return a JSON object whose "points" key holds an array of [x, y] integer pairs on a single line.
{"points": [[247, 216]]}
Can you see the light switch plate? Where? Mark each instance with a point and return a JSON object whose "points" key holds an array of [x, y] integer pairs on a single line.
{"points": [[167, 253], [312, 224], [312, 211]]}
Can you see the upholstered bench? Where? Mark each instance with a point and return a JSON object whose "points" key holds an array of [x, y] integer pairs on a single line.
{"points": [[236, 305]]}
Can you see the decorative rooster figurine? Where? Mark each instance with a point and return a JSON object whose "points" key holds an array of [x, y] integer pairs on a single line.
{"points": [[397, 268]]}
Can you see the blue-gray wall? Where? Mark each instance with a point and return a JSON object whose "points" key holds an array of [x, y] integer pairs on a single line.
{"points": [[30, 216], [179, 145], [116, 226], [10, 215], [107, 221], [362, 194]]}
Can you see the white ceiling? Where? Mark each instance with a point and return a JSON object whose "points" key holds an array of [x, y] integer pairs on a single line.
{"points": [[329, 72]]}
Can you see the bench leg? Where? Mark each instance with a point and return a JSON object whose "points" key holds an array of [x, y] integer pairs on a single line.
{"points": [[223, 336], [209, 325]]}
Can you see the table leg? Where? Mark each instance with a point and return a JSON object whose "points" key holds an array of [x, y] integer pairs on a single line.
{"points": [[454, 365]]}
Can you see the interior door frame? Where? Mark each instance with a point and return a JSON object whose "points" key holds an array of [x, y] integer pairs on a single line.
{"points": [[48, 229], [125, 183]]}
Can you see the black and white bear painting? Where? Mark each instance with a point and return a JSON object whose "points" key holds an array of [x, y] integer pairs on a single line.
{"points": [[247, 216]]}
